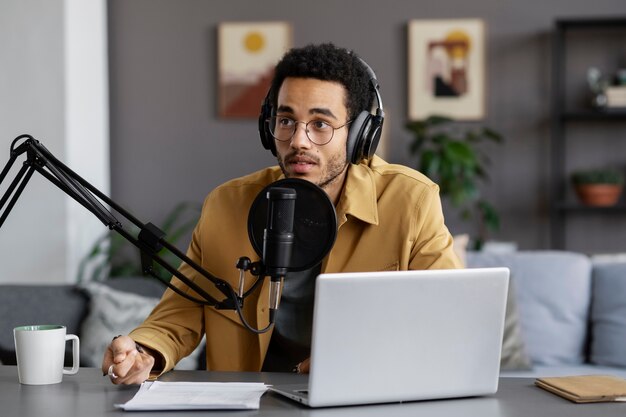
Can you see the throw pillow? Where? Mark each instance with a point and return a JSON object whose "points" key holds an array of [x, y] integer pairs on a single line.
{"points": [[114, 312], [608, 258], [514, 355], [553, 291], [459, 246], [608, 314]]}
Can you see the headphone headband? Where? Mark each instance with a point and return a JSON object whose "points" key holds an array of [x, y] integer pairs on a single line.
{"points": [[375, 87]]}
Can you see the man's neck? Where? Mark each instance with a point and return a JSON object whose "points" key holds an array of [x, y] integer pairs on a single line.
{"points": [[335, 187]]}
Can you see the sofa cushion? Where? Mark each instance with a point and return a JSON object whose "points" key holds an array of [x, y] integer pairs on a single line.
{"points": [[608, 314], [553, 296], [460, 243], [38, 304], [514, 356], [114, 312], [111, 312], [145, 286]]}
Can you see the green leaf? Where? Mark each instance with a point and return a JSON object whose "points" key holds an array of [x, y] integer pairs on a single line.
{"points": [[460, 153], [481, 173], [417, 144], [429, 164], [493, 135], [489, 215], [418, 128], [436, 120], [473, 137], [440, 138], [451, 156]]}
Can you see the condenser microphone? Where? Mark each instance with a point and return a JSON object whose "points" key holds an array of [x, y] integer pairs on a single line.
{"points": [[290, 235], [278, 239]]}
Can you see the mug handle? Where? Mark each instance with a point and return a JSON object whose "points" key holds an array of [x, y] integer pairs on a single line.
{"points": [[75, 354]]}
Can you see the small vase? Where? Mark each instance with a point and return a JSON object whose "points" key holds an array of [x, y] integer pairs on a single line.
{"points": [[599, 195]]}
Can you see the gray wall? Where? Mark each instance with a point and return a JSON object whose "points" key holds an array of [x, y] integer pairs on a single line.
{"points": [[32, 102], [168, 145], [53, 87]]}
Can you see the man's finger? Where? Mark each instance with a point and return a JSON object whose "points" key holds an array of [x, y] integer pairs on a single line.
{"points": [[138, 372], [304, 366], [120, 347], [123, 368]]}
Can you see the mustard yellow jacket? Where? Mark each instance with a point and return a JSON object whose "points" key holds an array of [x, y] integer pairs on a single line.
{"points": [[389, 218]]}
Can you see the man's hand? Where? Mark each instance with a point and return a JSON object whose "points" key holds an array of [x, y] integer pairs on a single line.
{"points": [[304, 366], [125, 364]]}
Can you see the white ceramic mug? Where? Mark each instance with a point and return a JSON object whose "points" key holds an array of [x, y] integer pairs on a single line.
{"points": [[40, 352]]}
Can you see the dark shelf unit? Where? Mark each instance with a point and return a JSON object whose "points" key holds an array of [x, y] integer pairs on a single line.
{"points": [[591, 115], [579, 208], [563, 116]]}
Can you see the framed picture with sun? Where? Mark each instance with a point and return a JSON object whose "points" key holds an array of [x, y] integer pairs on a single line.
{"points": [[247, 54], [446, 61]]}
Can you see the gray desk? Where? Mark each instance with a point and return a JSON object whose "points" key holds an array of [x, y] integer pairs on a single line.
{"points": [[89, 394]]}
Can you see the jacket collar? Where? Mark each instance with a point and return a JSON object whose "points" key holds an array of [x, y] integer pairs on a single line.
{"points": [[358, 197]]}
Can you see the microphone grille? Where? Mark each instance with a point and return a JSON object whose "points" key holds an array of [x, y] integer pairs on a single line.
{"points": [[282, 203]]}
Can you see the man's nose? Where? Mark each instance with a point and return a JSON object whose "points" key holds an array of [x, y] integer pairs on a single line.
{"points": [[300, 138]]}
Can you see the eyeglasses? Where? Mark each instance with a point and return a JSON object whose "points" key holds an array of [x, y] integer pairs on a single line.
{"points": [[318, 131]]}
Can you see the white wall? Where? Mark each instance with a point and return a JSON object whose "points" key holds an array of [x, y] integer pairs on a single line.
{"points": [[54, 86]]}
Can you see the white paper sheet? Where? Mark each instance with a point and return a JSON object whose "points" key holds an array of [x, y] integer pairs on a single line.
{"points": [[157, 395]]}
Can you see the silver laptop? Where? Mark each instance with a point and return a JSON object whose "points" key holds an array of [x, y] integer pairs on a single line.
{"points": [[404, 336]]}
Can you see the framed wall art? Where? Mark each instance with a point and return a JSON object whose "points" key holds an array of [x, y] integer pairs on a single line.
{"points": [[446, 64], [247, 54]]}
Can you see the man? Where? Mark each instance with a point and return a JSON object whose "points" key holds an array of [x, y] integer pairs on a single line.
{"points": [[389, 218]]}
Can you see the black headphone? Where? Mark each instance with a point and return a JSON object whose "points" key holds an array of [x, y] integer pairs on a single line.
{"points": [[363, 135]]}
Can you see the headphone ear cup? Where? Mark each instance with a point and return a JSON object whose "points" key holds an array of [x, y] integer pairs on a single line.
{"points": [[373, 136], [266, 137], [354, 144]]}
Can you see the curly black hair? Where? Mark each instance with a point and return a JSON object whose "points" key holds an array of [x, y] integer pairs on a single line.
{"points": [[327, 62]]}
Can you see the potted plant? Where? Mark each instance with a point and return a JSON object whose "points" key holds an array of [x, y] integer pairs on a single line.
{"points": [[452, 158], [598, 187]]}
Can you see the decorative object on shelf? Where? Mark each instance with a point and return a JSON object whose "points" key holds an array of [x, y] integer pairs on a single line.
{"points": [[451, 157], [598, 187], [247, 54], [446, 60], [616, 96], [597, 85], [620, 76], [604, 94]]}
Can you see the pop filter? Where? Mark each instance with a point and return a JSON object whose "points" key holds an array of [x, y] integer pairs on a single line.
{"points": [[314, 224]]}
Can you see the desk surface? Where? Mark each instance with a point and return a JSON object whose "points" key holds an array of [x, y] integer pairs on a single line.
{"points": [[91, 394]]}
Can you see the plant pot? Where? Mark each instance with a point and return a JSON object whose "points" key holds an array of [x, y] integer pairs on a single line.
{"points": [[599, 195]]}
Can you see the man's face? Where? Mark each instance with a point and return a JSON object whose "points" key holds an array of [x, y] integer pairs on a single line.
{"points": [[303, 100]]}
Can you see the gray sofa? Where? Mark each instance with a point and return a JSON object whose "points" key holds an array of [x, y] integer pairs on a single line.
{"points": [[571, 310], [69, 305], [570, 313]]}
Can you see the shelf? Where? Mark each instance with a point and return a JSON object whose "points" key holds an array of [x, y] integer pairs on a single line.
{"points": [[568, 116], [600, 115], [577, 207], [599, 23]]}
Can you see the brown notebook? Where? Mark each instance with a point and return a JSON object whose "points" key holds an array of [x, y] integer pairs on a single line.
{"points": [[586, 388]]}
